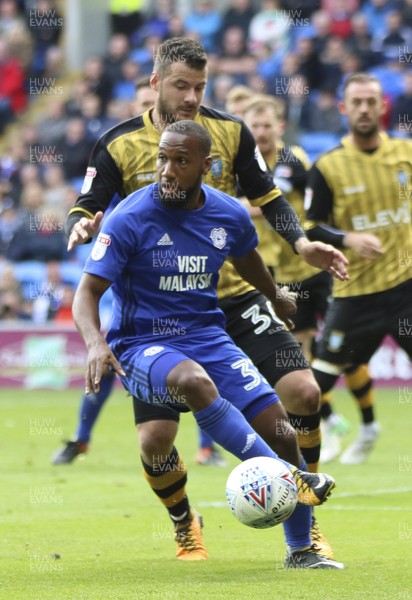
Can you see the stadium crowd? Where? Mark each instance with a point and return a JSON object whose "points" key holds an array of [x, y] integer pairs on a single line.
{"points": [[300, 52]]}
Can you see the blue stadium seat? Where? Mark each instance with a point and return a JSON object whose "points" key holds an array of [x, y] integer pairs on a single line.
{"points": [[318, 142], [71, 273], [31, 275]]}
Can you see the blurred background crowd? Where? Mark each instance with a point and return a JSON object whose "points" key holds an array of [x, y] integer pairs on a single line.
{"points": [[51, 117]]}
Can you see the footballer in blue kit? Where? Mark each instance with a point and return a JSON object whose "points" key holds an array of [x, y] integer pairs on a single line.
{"points": [[151, 284], [166, 339]]}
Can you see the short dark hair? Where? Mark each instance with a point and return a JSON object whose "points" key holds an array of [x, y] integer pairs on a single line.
{"points": [[142, 82], [360, 78], [193, 129], [179, 49]]}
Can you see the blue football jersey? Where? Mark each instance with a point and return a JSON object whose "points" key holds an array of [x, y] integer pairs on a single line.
{"points": [[164, 263]]}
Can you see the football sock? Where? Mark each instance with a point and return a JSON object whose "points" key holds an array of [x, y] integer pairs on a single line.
{"points": [[360, 384], [205, 441], [167, 477], [326, 405], [91, 406], [309, 438], [297, 527], [229, 428]]}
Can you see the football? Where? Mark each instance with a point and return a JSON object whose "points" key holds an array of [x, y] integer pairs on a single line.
{"points": [[261, 492]]}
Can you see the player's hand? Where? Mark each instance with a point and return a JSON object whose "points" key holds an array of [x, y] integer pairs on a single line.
{"points": [[285, 305], [100, 358], [323, 256], [83, 230], [366, 245]]}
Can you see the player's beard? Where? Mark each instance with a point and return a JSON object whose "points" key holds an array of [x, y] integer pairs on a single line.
{"points": [[370, 132], [178, 198], [166, 114]]}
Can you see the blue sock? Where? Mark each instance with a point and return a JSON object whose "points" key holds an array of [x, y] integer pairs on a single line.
{"points": [[91, 406], [297, 527], [228, 427], [205, 441]]}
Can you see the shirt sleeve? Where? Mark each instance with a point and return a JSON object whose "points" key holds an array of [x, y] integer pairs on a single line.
{"points": [[102, 182], [252, 172], [318, 199], [114, 245], [247, 239]]}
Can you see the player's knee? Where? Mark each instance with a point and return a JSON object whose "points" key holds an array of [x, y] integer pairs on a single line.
{"points": [[309, 396], [156, 438], [193, 384]]}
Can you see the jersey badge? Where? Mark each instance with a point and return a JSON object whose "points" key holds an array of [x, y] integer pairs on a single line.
{"points": [[88, 180], [218, 237], [100, 246], [153, 350], [403, 178], [335, 341], [217, 167]]}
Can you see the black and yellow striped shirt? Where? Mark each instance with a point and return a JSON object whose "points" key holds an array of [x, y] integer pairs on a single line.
{"points": [[353, 190], [124, 160]]}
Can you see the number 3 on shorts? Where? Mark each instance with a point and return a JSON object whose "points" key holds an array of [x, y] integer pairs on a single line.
{"points": [[247, 369]]}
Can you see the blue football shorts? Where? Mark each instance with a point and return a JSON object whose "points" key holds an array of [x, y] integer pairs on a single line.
{"points": [[147, 365]]}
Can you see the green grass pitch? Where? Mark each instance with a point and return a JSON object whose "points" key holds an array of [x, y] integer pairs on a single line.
{"points": [[93, 530]]}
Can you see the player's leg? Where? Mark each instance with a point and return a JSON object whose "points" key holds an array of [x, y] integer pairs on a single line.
{"points": [[270, 420], [90, 407], [351, 335], [278, 356]]}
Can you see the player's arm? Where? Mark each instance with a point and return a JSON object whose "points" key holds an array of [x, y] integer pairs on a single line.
{"points": [[86, 316], [102, 182], [319, 206], [259, 188], [253, 270]]}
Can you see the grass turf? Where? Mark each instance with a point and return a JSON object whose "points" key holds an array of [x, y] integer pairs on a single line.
{"points": [[93, 530]]}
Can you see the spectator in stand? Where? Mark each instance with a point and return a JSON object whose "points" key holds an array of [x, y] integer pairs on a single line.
{"points": [[237, 99], [309, 65], [126, 16], [46, 35], [301, 10], [118, 52], [124, 88], [55, 186], [401, 116], [157, 23], [323, 114], [53, 126], [340, 12], [75, 149], [222, 85], [234, 58], [321, 23], [360, 42], [270, 25], [11, 219], [396, 40], [238, 14], [205, 22], [145, 97], [330, 59], [96, 122], [77, 92], [376, 12], [40, 236], [97, 81], [13, 96], [143, 55]]}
